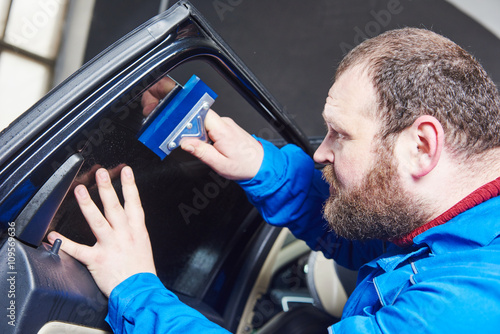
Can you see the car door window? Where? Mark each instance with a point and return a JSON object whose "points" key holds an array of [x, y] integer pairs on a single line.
{"points": [[206, 237], [191, 212]]}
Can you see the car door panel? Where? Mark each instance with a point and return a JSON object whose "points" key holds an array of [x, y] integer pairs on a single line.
{"points": [[41, 286], [208, 241]]}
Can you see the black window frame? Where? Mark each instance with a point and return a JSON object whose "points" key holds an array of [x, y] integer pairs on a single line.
{"points": [[39, 152], [27, 149]]}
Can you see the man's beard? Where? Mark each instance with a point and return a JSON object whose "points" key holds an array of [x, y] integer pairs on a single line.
{"points": [[379, 208]]}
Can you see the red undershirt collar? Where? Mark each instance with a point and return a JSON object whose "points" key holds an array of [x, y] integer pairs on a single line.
{"points": [[477, 197]]}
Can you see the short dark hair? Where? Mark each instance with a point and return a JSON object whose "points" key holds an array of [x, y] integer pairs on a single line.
{"points": [[418, 72]]}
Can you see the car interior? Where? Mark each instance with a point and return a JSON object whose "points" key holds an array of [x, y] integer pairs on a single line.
{"points": [[210, 245]]}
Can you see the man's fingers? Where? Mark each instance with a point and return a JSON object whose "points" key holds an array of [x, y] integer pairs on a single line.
{"points": [[148, 102], [205, 152], [133, 207], [164, 86], [113, 209], [76, 250], [214, 122], [154, 94], [235, 154], [116, 171], [196, 147], [98, 224]]}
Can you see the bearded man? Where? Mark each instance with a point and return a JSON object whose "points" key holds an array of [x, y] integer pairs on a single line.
{"points": [[411, 200]]}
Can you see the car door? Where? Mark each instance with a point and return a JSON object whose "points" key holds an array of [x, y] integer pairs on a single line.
{"points": [[209, 243]]}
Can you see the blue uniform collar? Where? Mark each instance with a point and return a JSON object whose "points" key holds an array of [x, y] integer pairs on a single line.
{"points": [[482, 194], [476, 227], [474, 222]]}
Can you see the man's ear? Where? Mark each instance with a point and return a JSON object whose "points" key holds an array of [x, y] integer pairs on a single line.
{"points": [[427, 136]]}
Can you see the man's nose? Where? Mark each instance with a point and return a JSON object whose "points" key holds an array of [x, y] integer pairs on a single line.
{"points": [[324, 155]]}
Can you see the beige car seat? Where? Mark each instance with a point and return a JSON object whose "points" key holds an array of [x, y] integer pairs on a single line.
{"points": [[329, 283]]}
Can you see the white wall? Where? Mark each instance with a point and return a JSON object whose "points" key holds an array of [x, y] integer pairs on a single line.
{"points": [[486, 12]]}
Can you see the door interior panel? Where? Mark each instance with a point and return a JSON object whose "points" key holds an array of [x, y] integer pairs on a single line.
{"points": [[208, 240]]}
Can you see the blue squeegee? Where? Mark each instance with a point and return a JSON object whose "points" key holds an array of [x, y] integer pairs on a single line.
{"points": [[178, 116]]}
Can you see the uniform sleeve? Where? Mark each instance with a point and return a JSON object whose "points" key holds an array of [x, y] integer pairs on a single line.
{"points": [[141, 304], [290, 192]]}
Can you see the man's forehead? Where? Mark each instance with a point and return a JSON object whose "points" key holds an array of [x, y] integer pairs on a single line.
{"points": [[353, 88]]}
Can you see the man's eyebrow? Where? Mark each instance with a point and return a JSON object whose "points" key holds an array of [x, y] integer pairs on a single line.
{"points": [[335, 123], [323, 115], [328, 119]]}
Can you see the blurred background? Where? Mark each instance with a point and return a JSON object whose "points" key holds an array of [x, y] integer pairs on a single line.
{"points": [[293, 46]]}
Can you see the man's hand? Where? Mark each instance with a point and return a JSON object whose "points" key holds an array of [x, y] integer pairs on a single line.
{"points": [[154, 94], [123, 247], [235, 154]]}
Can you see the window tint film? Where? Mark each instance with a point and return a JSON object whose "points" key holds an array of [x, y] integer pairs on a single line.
{"points": [[196, 219]]}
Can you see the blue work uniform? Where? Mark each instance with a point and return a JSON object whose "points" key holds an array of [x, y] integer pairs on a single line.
{"points": [[446, 281]]}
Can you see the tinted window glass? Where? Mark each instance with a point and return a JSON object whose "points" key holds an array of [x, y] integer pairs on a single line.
{"points": [[194, 216]]}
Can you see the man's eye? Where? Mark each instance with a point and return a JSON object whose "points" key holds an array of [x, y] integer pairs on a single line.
{"points": [[335, 135], [332, 133]]}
